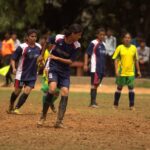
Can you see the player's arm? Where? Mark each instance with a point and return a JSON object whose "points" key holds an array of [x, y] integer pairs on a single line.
{"points": [[138, 68], [116, 67], [87, 55], [13, 64], [65, 61], [115, 57], [86, 60], [15, 57], [137, 65]]}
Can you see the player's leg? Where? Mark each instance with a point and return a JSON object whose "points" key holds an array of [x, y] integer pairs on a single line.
{"points": [[93, 95], [64, 83], [14, 95], [29, 85], [117, 96], [62, 107], [53, 79], [45, 89], [131, 98], [130, 83], [93, 91], [48, 102], [120, 81], [56, 95], [95, 81]]}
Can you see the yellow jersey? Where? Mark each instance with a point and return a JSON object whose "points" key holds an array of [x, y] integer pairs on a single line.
{"points": [[46, 54], [127, 57]]}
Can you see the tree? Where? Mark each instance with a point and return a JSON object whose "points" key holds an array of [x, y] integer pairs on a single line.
{"points": [[16, 14]]}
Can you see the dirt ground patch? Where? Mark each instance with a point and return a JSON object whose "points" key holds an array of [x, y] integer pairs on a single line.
{"points": [[87, 128], [82, 133]]}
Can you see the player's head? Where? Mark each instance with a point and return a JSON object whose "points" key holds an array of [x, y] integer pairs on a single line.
{"points": [[74, 32], [7, 35], [142, 43], [126, 38], [109, 32], [100, 34], [14, 35], [31, 36]]}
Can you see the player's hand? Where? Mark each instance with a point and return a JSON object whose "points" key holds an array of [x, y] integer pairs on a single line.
{"points": [[53, 57], [14, 70], [85, 67], [39, 59], [139, 74], [117, 74], [141, 61], [46, 72]]}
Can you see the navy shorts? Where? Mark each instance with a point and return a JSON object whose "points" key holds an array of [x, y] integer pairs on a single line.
{"points": [[59, 78], [96, 79], [20, 84]]}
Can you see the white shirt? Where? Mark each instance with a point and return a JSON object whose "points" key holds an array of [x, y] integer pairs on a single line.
{"points": [[110, 44], [144, 53]]}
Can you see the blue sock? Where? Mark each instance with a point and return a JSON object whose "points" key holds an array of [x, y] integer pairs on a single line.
{"points": [[93, 96], [22, 100], [116, 98], [131, 99], [13, 98]]}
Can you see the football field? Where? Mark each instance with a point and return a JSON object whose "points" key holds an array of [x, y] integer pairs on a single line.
{"points": [[87, 128]]}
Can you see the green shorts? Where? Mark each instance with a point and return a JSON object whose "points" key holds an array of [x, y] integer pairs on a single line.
{"points": [[125, 80]]}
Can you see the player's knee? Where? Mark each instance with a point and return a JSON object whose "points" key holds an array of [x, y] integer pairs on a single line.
{"points": [[131, 88], [64, 91], [94, 87], [27, 90], [119, 89], [17, 91], [52, 90]]}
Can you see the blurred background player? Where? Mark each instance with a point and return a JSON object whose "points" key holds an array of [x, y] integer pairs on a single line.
{"points": [[15, 39], [26, 74], [45, 86], [97, 53], [63, 54], [144, 54], [127, 56], [110, 44], [7, 50]]}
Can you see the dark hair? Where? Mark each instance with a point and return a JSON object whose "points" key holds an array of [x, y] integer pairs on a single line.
{"points": [[30, 31], [143, 41], [13, 32], [74, 28], [109, 29], [125, 33], [100, 30]]}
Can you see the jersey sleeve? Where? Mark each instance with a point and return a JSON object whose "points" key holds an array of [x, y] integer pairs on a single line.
{"points": [[17, 54], [89, 50], [116, 54]]}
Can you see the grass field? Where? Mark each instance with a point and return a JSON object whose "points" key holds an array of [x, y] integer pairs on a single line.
{"points": [[87, 128]]}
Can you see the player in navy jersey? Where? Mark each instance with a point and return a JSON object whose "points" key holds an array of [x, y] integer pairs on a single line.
{"points": [[96, 52], [64, 52], [26, 55]]}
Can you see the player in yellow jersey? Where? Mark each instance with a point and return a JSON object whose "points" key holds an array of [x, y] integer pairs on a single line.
{"points": [[126, 55], [45, 86]]}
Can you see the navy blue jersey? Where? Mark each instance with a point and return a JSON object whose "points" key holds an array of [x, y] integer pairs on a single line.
{"points": [[27, 61], [97, 52], [63, 50]]}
